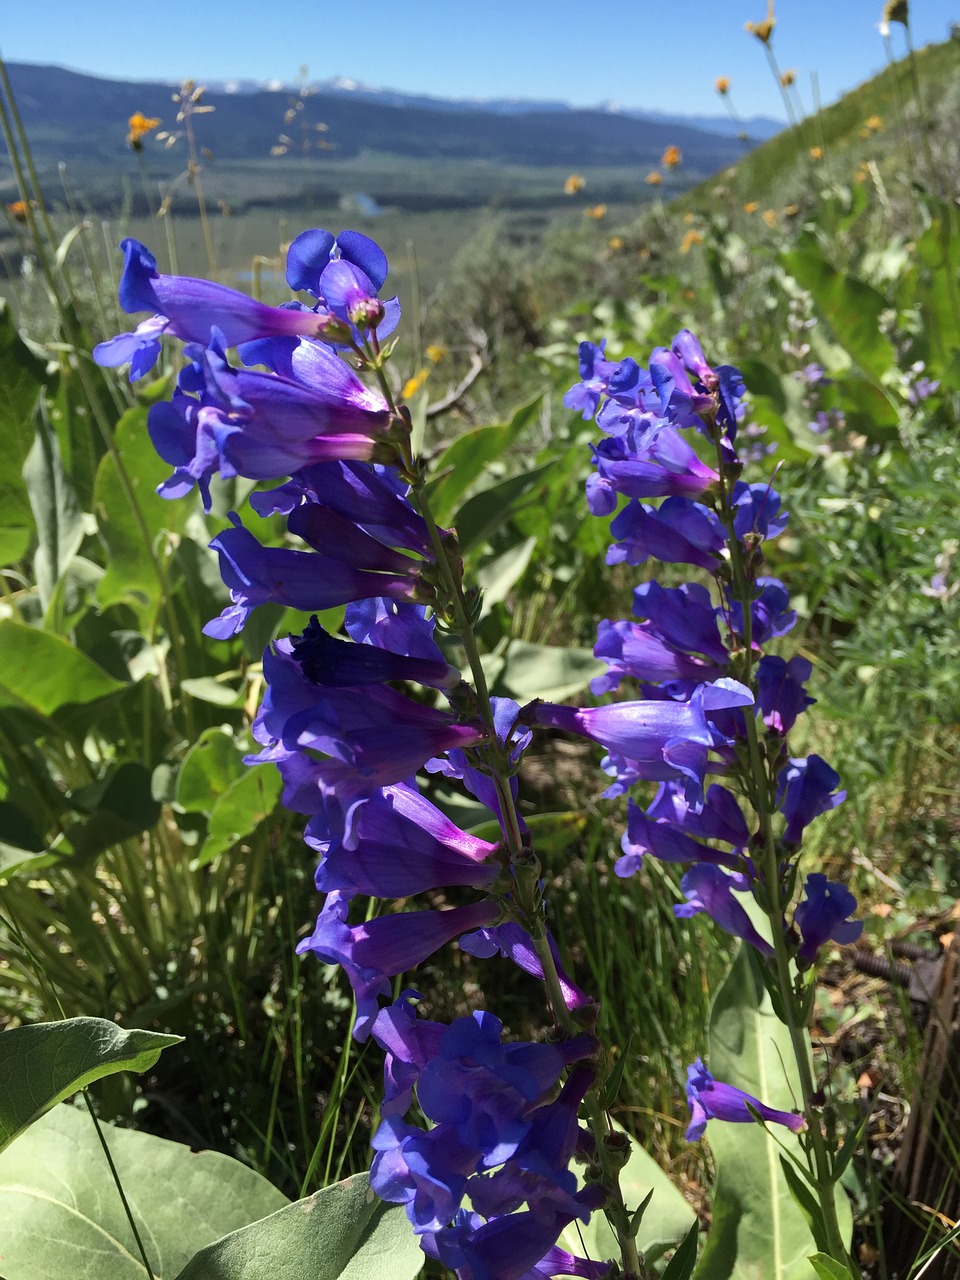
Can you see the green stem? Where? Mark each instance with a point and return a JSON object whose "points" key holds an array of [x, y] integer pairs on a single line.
{"points": [[820, 1167]]}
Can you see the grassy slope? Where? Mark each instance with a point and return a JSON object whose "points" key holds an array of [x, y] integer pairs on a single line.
{"points": [[780, 171]]}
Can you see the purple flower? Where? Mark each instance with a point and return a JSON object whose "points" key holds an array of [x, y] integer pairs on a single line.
{"points": [[684, 616], [757, 511], [780, 692], [710, 1099], [326, 660], [709, 889], [595, 372], [398, 844], [660, 465], [655, 734], [372, 953], [189, 309], [805, 790], [261, 425], [304, 580], [514, 943], [517, 1246], [345, 274], [770, 612], [374, 734], [679, 531], [637, 651], [663, 841], [718, 818], [822, 916]]}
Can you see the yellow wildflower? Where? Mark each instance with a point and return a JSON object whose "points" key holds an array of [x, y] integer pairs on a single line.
{"points": [[18, 210], [413, 385], [874, 123], [722, 85], [139, 126], [436, 351], [653, 179], [615, 243], [762, 30], [791, 210], [574, 184], [597, 212], [787, 78], [770, 217], [691, 238], [751, 206], [816, 153], [671, 157]]}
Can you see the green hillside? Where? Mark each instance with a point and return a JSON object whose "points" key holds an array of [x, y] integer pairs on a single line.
{"points": [[783, 171]]}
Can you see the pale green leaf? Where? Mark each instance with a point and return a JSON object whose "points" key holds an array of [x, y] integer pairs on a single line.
{"points": [[42, 1064], [342, 1233], [62, 1217]]}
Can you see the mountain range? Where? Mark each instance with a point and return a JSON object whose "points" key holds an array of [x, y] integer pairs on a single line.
{"points": [[82, 119]]}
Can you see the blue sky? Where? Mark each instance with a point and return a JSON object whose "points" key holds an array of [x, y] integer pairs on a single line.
{"points": [[634, 52]]}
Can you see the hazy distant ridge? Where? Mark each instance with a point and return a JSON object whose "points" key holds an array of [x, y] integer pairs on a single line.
{"points": [[72, 116]]}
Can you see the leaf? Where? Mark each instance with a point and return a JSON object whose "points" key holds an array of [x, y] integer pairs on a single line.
{"points": [[239, 811], [489, 509], [210, 767], [23, 375], [498, 576], [552, 672], [56, 511], [120, 805], [666, 1220], [758, 1231], [62, 1215], [131, 521], [44, 673], [851, 308], [680, 1266], [207, 689], [42, 1064], [463, 461], [828, 1268], [342, 1233]]}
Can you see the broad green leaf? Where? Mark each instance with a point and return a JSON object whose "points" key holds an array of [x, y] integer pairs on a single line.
{"points": [[866, 408], [850, 307], [666, 1222], [776, 402], [23, 375], [62, 1215], [240, 810], [498, 576], [132, 516], [938, 290], [758, 1231], [14, 541], [464, 461], [207, 689], [552, 672], [342, 1233], [119, 805], [489, 509], [44, 673], [17, 828], [829, 1269], [56, 511], [210, 768], [42, 1064]]}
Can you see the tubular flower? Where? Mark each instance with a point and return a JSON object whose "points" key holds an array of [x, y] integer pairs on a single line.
{"points": [[710, 1099]]}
